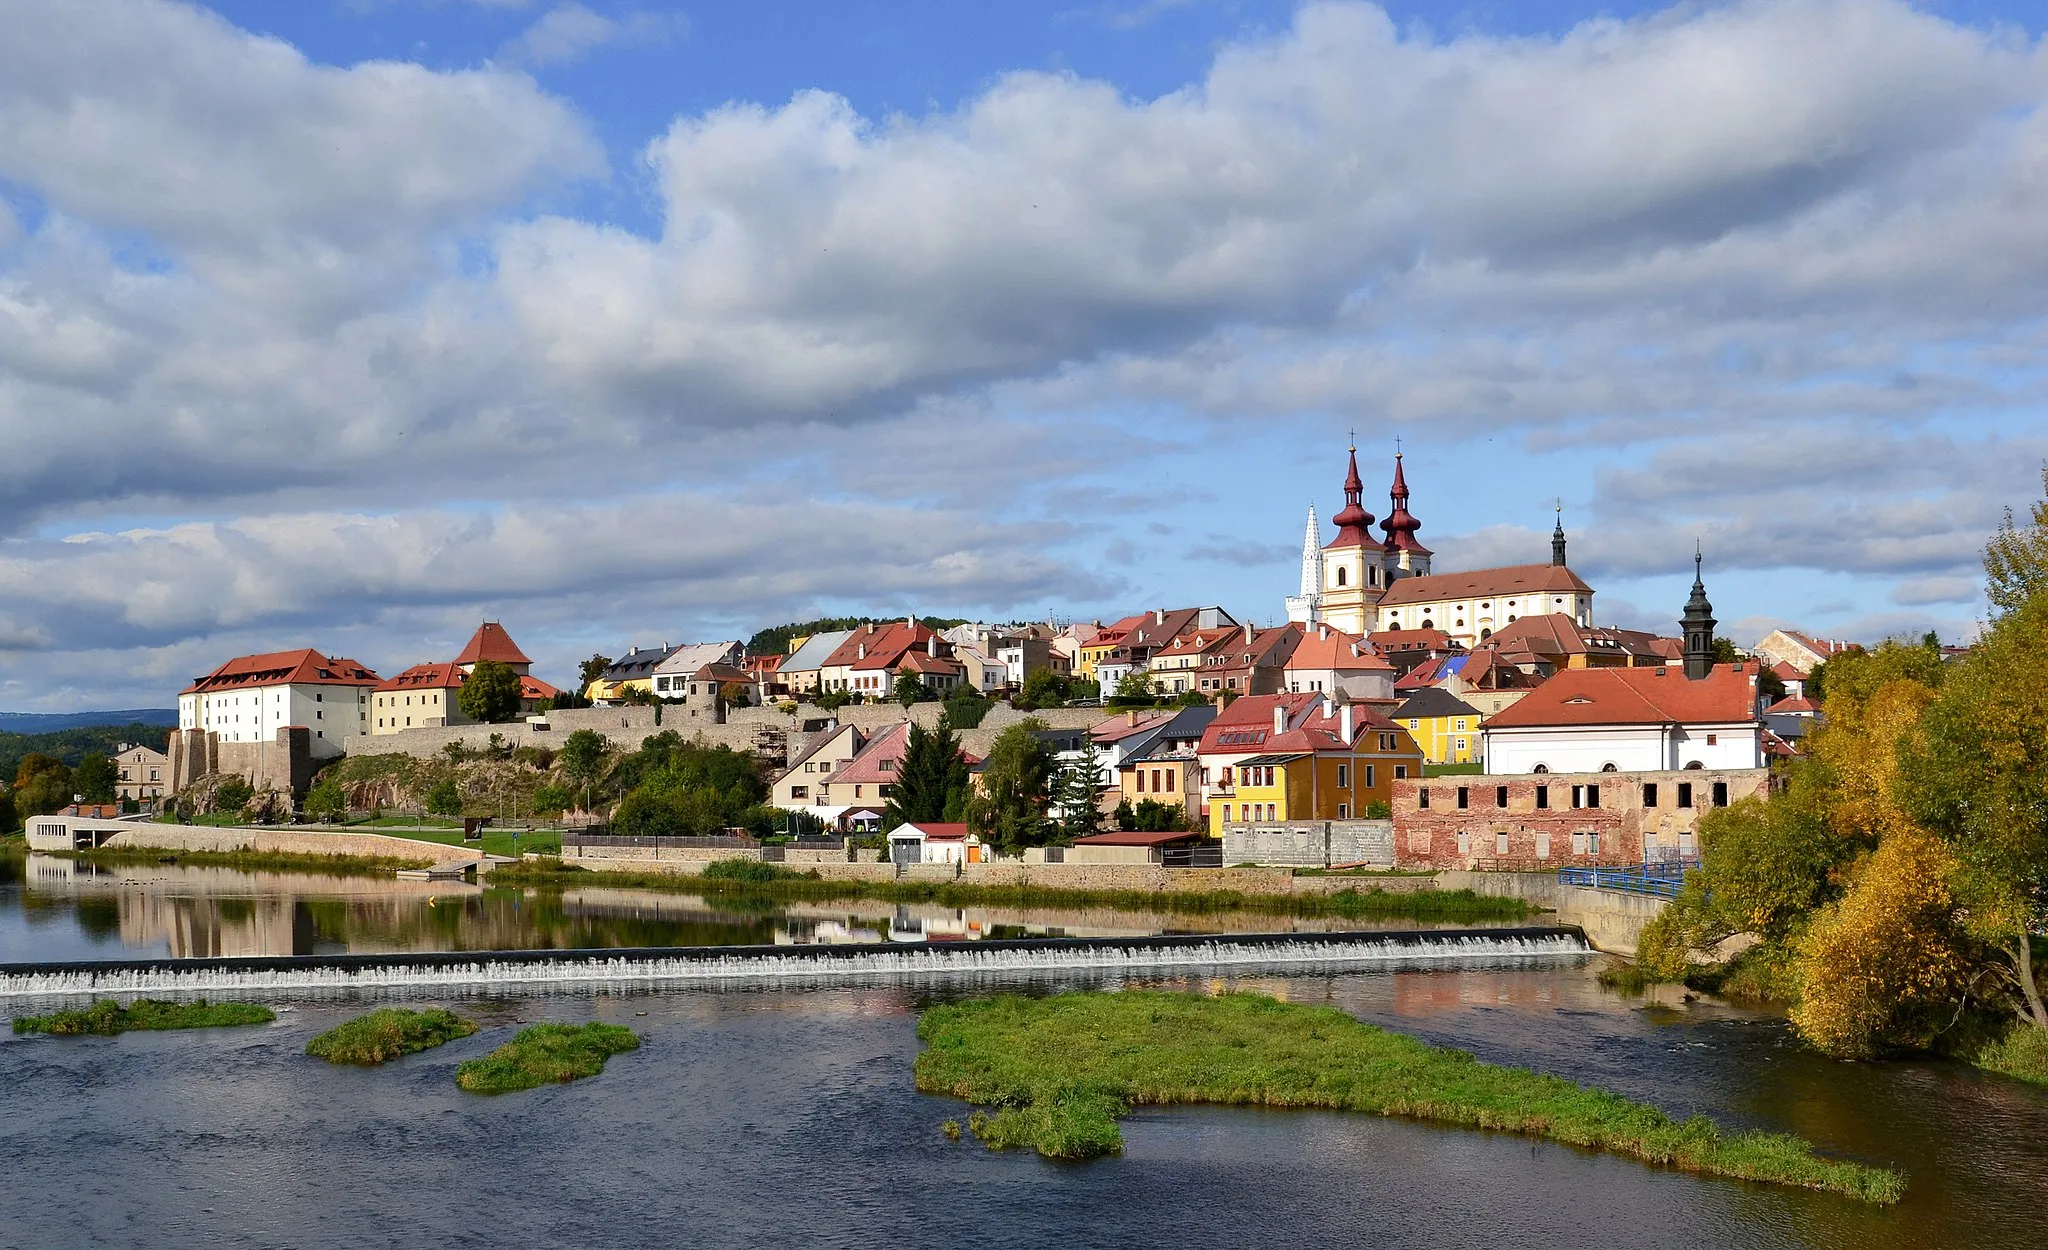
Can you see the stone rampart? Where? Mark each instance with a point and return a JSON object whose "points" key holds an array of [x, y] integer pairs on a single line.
{"points": [[293, 841]]}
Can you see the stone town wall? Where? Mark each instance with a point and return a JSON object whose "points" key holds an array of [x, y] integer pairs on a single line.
{"points": [[1613, 921], [1311, 843], [295, 841], [285, 763], [1522, 836]]}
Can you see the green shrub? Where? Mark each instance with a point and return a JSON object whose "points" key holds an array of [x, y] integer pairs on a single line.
{"points": [[545, 1054], [2021, 1053], [388, 1033], [746, 870], [108, 1017]]}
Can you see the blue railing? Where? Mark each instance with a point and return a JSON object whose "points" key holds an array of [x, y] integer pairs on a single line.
{"points": [[1661, 879]]}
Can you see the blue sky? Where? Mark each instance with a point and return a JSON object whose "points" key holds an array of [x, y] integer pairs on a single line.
{"points": [[343, 323]]}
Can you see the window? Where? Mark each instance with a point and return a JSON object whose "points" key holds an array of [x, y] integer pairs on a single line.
{"points": [[1169, 781], [1500, 796], [1461, 724], [1464, 797], [1340, 575], [1343, 811], [152, 775], [1368, 777], [1500, 844], [799, 792], [1649, 794], [1344, 779], [1400, 772], [1543, 846], [856, 792], [1464, 844], [1592, 842], [1578, 844], [1226, 813], [1422, 798], [1685, 794], [1141, 780], [1720, 794], [1542, 798], [1414, 724], [1713, 739]]}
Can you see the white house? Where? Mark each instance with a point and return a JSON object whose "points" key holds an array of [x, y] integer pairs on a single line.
{"points": [[672, 675], [251, 697], [1630, 720], [935, 842]]}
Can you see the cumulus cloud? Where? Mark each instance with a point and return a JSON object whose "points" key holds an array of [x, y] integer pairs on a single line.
{"points": [[1760, 244], [571, 32]]}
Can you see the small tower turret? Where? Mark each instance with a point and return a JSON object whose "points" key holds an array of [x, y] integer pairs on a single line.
{"points": [[1698, 626], [1406, 556], [1557, 538]]}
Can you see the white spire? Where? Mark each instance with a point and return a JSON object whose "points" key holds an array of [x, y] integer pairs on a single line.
{"points": [[1306, 607]]}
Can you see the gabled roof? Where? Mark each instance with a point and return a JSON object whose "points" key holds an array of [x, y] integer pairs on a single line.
{"points": [[305, 667], [692, 656], [1556, 633], [1117, 728], [638, 663], [1514, 580], [816, 650], [1327, 647], [1413, 640], [449, 676], [1635, 696], [916, 661], [934, 830], [1131, 837], [1792, 705], [866, 764], [723, 674], [1432, 702], [1247, 723], [879, 646], [491, 642]]}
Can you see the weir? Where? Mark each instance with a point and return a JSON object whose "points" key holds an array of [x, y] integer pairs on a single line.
{"points": [[785, 965]]}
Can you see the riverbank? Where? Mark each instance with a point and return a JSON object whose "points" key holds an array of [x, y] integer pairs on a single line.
{"points": [[1062, 1070], [337, 865], [1450, 906]]}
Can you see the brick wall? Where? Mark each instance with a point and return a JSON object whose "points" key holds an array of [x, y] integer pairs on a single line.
{"points": [[1524, 837]]}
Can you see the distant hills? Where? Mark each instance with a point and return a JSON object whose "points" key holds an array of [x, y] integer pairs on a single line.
{"points": [[51, 722]]}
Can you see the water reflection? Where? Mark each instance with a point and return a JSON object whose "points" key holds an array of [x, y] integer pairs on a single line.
{"points": [[54, 909]]}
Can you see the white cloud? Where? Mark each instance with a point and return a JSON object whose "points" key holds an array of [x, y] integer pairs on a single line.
{"points": [[571, 32]]}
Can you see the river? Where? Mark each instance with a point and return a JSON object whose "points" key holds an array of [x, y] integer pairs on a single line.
{"points": [[763, 1116]]}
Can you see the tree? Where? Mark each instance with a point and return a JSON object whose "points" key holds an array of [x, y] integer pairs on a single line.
{"points": [[551, 800], [965, 707], [590, 670], [325, 801], [1134, 687], [2016, 558], [1725, 652], [444, 799], [1125, 817], [832, 700], [1044, 688], [41, 785], [931, 777], [909, 689], [233, 794], [1152, 816], [1009, 808], [1076, 794], [490, 694], [93, 779]]}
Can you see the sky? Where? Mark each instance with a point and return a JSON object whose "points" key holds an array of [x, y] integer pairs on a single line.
{"points": [[351, 323]]}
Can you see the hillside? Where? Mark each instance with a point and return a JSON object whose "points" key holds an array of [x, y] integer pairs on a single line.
{"points": [[71, 745], [51, 722]]}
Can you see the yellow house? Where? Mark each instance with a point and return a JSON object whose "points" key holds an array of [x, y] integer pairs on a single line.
{"points": [[1444, 726], [1334, 764]]}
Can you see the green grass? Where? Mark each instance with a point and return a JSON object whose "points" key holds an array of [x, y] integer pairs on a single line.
{"points": [[1627, 977], [108, 1017], [495, 841], [1453, 770], [544, 1054], [1446, 906], [210, 820], [1059, 1072], [251, 861], [2022, 1054], [388, 1033]]}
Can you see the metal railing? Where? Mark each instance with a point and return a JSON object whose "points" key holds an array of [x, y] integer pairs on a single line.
{"points": [[1661, 879]]}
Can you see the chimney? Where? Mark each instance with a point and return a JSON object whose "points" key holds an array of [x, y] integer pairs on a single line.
{"points": [[863, 652], [1279, 718], [1344, 723], [1322, 633], [1131, 717], [1159, 616], [1247, 634], [931, 645]]}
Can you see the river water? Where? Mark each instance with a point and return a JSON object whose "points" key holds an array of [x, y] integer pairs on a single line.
{"points": [[763, 1116]]}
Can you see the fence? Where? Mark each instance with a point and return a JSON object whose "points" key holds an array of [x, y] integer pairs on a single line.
{"points": [[707, 844], [1661, 879]]}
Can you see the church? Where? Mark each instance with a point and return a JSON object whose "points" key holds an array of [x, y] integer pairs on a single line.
{"points": [[1367, 585]]}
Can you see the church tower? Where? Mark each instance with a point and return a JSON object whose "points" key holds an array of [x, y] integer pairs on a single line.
{"points": [[1406, 556], [1354, 563], [1557, 539], [1698, 627], [1306, 607]]}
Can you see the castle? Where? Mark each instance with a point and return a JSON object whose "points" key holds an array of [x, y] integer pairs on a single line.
{"points": [[1366, 585]]}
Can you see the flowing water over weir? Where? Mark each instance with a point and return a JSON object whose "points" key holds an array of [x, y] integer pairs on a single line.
{"points": [[785, 965]]}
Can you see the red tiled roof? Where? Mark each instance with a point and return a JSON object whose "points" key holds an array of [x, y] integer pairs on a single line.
{"points": [[920, 662], [449, 677], [1326, 647], [1792, 705], [1517, 579], [305, 667], [1412, 639], [491, 642], [723, 674], [1119, 727], [1635, 696], [938, 831]]}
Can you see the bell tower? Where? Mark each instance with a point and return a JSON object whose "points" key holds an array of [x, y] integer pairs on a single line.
{"points": [[1698, 627]]}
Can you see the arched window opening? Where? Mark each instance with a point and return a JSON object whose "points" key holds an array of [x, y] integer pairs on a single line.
{"points": [[1609, 767], [1340, 576], [1540, 768]]}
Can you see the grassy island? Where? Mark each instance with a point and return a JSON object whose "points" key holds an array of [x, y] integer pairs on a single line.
{"points": [[545, 1054], [108, 1017], [1060, 1070], [771, 881], [388, 1033]]}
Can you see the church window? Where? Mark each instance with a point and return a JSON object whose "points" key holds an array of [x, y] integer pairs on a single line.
{"points": [[1340, 576], [1427, 623]]}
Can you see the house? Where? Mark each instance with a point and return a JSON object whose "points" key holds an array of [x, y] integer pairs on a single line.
{"points": [[629, 674], [1175, 849], [429, 695], [1301, 757], [251, 697], [935, 842], [801, 787], [1406, 649], [1801, 652], [1471, 607], [979, 670], [1024, 655], [800, 669], [141, 774], [1485, 681], [1792, 718], [1142, 637], [1443, 725], [764, 673], [76, 827], [680, 667], [1543, 644], [1326, 660], [1701, 716], [1522, 822], [872, 656], [1160, 759], [854, 794]]}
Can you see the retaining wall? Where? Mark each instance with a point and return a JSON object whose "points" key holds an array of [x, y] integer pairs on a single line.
{"points": [[294, 841], [1311, 843], [1613, 920]]}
